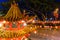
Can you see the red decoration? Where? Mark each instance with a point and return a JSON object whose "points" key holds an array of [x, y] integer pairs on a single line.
{"points": [[18, 26]]}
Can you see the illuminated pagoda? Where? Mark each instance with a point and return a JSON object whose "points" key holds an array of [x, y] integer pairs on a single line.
{"points": [[13, 15], [14, 24]]}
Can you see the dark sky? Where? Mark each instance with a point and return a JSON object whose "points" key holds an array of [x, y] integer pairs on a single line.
{"points": [[7, 0], [3, 1]]}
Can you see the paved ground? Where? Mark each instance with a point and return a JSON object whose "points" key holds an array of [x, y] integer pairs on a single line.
{"points": [[46, 35]]}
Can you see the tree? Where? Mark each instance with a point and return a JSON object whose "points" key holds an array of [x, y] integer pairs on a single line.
{"points": [[41, 7]]}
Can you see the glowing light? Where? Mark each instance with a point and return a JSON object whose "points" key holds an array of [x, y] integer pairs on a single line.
{"points": [[57, 9], [23, 21], [35, 32], [1, 24], [26, 38], [4, 21], [33, 21], [56, 12], [56, 27], [23, 37], [11, 39], [25, 24], [40, 26], [31, 27]]}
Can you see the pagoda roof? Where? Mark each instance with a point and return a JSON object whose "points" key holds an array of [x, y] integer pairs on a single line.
{"points": [[14, 13]]}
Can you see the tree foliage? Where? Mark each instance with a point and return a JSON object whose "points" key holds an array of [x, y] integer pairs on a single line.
{"points": [[41, 7]]}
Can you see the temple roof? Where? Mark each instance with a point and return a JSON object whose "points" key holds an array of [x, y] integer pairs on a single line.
{"points": [[14, 13]]}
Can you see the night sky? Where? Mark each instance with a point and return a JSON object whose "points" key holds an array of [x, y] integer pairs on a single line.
{"points": [[3, 0], [20, 1], [7, 0]]}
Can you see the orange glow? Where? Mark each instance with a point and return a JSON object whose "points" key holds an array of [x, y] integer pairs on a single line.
{"points": [[55, 13], [23, 21], [1, 24], [35, 32], [4, 21]]}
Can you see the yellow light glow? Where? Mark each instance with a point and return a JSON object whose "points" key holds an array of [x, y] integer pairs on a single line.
{"points": [[35, 32], [25, 24], [56, 27], [23, 37], [23, 21], [4, 21], [26, 39], [1, 24], [40, 26], [30, 27], [33, 21], [57, 9]]}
